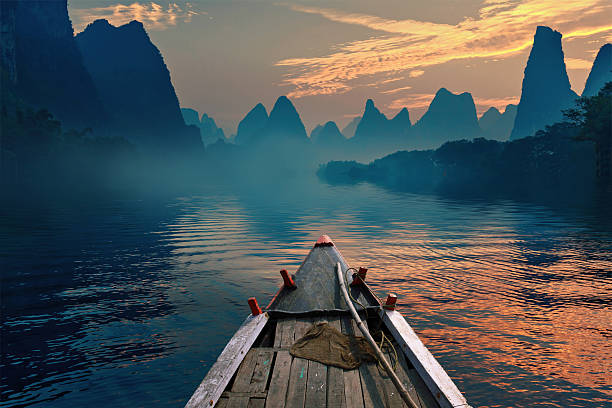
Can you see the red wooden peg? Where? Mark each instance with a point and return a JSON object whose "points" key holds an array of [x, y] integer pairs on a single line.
{"points": [[255, 309], [391, 301], [287, 280], [359, 277]]}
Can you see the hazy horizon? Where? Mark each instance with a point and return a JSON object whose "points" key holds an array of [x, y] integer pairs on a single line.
{"points": [[225, 57]]}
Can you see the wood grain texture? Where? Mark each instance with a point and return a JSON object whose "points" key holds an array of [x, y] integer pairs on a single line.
{"points": [[279, 381], [296, 391], [262, 371], [335, 377]]}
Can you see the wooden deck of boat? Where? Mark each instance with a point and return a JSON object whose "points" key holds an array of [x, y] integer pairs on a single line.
{"points": [[270, 377]]}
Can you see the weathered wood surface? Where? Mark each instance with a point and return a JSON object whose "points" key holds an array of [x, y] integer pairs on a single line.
{"points": [[316, 384], [285, 333], [335, 377], [437, 380], [317, 286], [224, 368]]}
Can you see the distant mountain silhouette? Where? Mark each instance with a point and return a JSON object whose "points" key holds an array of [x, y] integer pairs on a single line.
{"points": [[497, 126], [351, 127], [375, 127], [135, 87], [601, 72], [327, 135], [209, 131], [252, 125], [191, 116], [47, 66], [373, 124], [449, 117], [400, 124], [284, 123], [546, 88]]}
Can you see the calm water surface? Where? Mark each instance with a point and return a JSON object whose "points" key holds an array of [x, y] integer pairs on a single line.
{"points": [[126, 301]]}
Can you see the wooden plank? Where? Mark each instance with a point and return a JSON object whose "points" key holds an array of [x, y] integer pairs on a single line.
{"points": [[262, 371], [372, 386], [279, 381], [221, 403], [437, 380], [301, 327], [316, 385], [298, 375], [228, 394], [288, 335], [242, 382], [220, 374], [335, 377], [352, 380], [394, 399], [238, 402], [414, 383], [296, 391], [256, 403]]}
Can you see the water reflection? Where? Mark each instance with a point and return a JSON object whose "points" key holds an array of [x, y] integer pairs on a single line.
{"points": [[126, 301]]}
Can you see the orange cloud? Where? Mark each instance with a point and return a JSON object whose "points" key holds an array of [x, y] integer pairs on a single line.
{"points": [[152, 15], [396, 90], [502, 29], [416, 73], [576, 63]]}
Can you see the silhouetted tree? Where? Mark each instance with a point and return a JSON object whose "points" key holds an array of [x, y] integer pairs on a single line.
{"points": [[593, 117]]}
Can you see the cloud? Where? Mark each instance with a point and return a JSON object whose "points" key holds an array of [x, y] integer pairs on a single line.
{"points": [[577, 63], [416, 73], [153, 15], [502, 28], [483, 104], [396, 90], [413, 101]]}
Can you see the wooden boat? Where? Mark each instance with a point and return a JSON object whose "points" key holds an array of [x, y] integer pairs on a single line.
{"points": [[256, 369]]}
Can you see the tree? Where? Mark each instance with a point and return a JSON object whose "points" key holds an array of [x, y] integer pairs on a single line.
{"points": [[593, 117]]}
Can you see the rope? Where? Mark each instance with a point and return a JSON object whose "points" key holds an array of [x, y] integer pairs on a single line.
{"points": [[383, 338], [394, 378]]}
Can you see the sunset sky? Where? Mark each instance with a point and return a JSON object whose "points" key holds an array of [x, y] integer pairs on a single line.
{"points": [[329, 56]]}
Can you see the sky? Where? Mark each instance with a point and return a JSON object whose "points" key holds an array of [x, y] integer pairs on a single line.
{"points": [[330, 56]]}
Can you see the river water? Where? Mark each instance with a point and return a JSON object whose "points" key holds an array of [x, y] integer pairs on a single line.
{"points": [[126, 300]]}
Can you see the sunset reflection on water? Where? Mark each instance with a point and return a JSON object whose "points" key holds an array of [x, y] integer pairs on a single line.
{"points": [[137, 298]]}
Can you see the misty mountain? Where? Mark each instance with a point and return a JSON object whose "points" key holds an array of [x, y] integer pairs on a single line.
{"points": [[44, 64], [327, 135], [252, 125], [496, 125], [400, 124], [135, 87], [546, 88], [449, 117], [374, 127], [351, 127], [209, 131], [601, 72], [284, 123]]}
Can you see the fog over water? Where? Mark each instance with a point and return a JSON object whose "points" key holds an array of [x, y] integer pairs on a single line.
{"points": [[127, 299]]}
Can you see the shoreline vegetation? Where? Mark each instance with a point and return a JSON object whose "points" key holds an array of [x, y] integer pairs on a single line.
{"points": [[572, 156], [107, 117]]}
